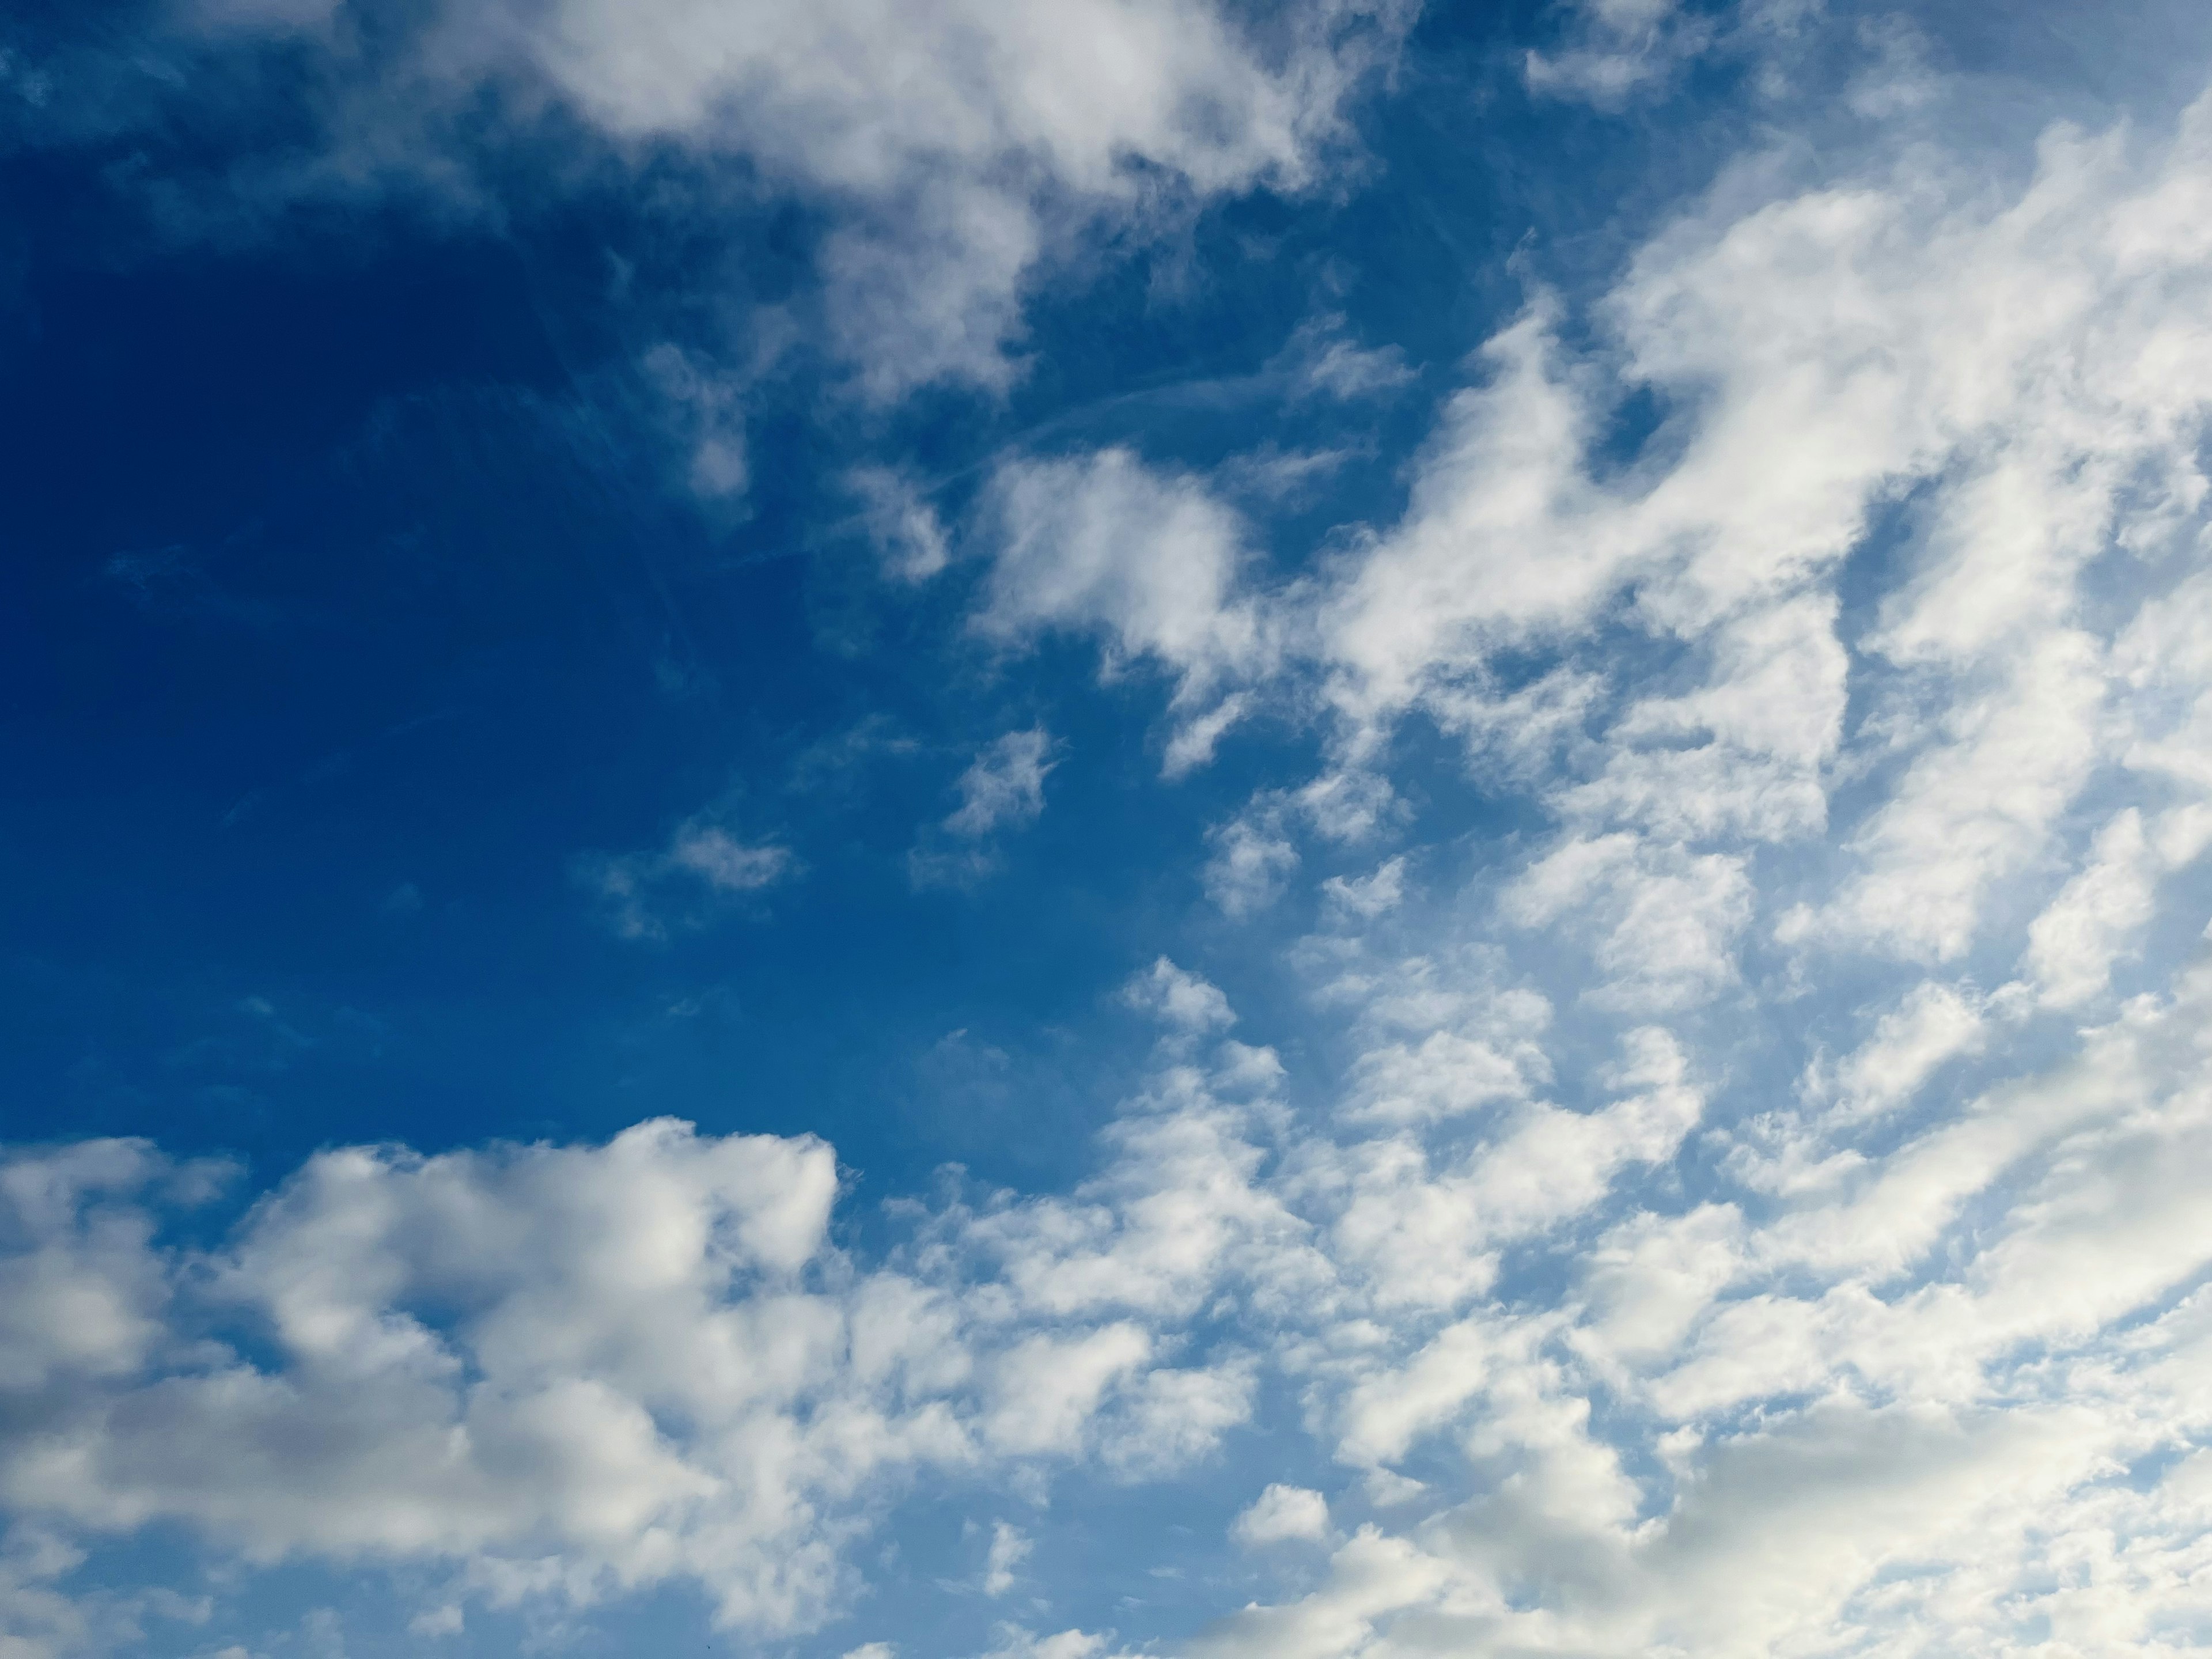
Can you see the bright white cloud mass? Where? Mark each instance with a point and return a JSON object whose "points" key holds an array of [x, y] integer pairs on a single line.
{"points": [[1741, 1192]]}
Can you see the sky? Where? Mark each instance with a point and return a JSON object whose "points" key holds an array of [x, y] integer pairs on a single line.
{"points": [[976, 830]]}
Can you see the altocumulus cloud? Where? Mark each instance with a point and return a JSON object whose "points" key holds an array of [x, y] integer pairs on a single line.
{"points": [[1754, 1207]]}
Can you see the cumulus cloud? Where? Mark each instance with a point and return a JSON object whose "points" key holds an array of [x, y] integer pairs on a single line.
{"points": [[1186, 1004], [589, 1294], [1283, 1513], [1145, 561], [565, 1373]]}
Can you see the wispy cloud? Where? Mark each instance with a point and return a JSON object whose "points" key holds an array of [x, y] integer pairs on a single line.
{"points": [[645, 894]]}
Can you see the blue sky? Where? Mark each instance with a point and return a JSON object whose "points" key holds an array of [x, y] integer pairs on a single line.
{"points": [[1142, 827]]}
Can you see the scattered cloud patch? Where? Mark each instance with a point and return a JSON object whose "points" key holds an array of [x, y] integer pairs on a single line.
{"points": [[909, 539], [647, 894], [1181, 1001], [1322, 360], [1617, 48], [1004, 785], [1010, 1547], [1282, 1514], [1146, 561], [1002, 788], [1251, 863]]}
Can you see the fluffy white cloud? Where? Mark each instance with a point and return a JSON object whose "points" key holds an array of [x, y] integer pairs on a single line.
{"points": [[1147, 560], [1918, 1311], [1186, 1004], [1283, 1513], [564, 1372], [955, 146], [1010, 1547]]}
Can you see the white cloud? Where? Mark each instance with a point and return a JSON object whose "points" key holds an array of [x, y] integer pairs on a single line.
{"points": [[1881, 1351], [1933, 1024], [1002, 787], [1638, 1338], [1974, 809], [1015, 1643], [1047, 1389], [1010, 1547], [1281, 1513], [1175, 1418], [1146, 560], [909, 539], [1002, 784], [646, 893], [957, 131], [1663, 919], [954, 150], [1362, 898], [725, 863], [1183, 1002], [1321, 357], [564, 1372], [711, 407], [1617, 47], [1251, 863], [447, 1621], [2093, 920]]}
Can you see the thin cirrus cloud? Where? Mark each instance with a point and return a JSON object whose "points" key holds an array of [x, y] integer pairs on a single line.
{"points": [[1734, 1189]]}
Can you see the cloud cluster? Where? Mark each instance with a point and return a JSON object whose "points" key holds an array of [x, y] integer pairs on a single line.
{"points": [[1754, 1208], [569, 1372], [954, 151], [1849, 1303]]}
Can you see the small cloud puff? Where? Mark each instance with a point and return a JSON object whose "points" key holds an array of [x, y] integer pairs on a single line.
{"points": [[1010, 1547], [1003, 787], [1180, 1000], [646, 893], [1015, 1643], [1280, 1515]]}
